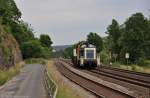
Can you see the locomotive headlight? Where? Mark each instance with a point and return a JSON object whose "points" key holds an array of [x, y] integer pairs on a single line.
{"points": [[81, 61]]}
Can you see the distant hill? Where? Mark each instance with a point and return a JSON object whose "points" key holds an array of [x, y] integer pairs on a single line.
{"points": [[61, 47]]}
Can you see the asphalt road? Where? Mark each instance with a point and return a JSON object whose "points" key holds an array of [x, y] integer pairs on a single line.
{"points": [[27, 84]]}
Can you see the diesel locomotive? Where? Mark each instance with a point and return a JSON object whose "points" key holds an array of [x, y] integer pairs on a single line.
{"points": [[85, 55]]}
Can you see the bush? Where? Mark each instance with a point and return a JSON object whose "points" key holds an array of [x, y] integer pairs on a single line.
{"points": [[34, 49], [140, 61], [7, 74], [146, 62], [137, 68], [104, 57]]}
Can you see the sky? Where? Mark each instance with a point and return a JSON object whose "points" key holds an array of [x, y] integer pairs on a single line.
{"points": [[70, 21]]}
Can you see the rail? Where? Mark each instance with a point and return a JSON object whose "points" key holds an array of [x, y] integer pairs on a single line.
{"points": [[98, 87], [131, 78]]}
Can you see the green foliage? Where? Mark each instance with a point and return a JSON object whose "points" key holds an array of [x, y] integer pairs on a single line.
{"points": [[9, 11], [31, 48], [147, 62], [114, 34], [96, 40], [104, 57], [45, 40], [57, 54], [136, 68], [135, 36], [6, 75], [68, 52], [22, 32], [34, 49]]}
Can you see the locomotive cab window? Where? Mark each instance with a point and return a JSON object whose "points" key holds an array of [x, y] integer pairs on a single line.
{"points": [[90, 54], [82, 53]]}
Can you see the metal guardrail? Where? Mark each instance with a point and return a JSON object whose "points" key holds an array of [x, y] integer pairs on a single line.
{"points": [[50, 85]]}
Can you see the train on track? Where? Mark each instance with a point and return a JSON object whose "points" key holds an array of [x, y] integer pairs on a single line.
{"points": [[85, 55]]}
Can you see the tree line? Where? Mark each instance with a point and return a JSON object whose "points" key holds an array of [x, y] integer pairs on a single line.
{"points": [[31, 47], [132, 38]]}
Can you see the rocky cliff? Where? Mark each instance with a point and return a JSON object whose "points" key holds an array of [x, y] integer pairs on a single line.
{"points": [[10, 53]]}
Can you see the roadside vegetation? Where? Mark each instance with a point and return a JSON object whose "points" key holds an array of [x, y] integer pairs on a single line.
{"points": [[17, 41], [7, 74], [31, 47], [132, 67], [65, 89], [35, 61]]}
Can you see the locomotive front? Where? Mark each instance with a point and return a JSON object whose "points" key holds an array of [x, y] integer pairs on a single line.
{"points": [[85, 55]]}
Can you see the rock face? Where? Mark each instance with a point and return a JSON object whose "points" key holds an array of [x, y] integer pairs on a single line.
{"points": [[10, 53]]}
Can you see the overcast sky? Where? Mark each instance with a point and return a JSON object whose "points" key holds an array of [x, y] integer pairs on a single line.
{"points": [[69, 21]]}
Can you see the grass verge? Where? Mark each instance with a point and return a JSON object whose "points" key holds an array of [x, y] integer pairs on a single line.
{"points": [[35, 60], [66, 89], [133, 67], [7, 74]]}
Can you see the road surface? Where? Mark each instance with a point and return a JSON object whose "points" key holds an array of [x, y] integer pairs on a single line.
{"points": [[27, 84]]}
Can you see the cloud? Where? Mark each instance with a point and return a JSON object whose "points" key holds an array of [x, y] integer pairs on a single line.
{"points": [[68, 21]]}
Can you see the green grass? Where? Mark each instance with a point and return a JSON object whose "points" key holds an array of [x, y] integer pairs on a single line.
{"points": [[52, 85], [6, 75], [35, 60], [62, 93], [147, 63], [132, 67]]}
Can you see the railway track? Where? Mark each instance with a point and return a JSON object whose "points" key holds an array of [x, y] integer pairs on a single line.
{"points": [[136, 86], [126, 71], [141, 79], [138, 82], [100, 90], [121, 75]]}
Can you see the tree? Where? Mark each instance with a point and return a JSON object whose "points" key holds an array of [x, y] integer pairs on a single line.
{"points": [[22, 32], [45, 40], [11, 21], [33, 49], [147, 43], [68, 52], [135, 36], [114, 34], [96, 40], [9, 11]]}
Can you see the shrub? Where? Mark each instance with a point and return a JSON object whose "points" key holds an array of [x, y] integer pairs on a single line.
{"points": [[31, 48], [137, 68], [34, 49], [104, 57], [147, 63], [7, 74]]}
